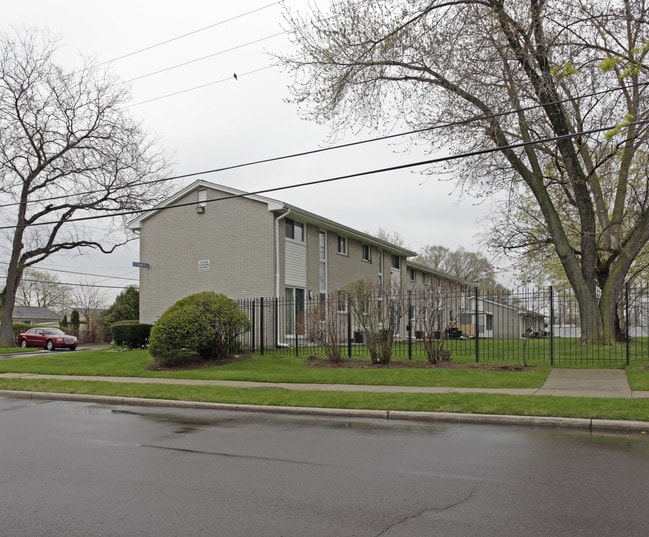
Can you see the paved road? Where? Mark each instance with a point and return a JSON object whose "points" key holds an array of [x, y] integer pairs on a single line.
{"points": [[75, 469]]}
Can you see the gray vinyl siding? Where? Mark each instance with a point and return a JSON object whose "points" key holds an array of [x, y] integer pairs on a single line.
{"points": [[295, 264], [236, 236]]}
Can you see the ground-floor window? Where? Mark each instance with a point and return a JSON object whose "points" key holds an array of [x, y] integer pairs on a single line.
{"points": [[294, 311]]}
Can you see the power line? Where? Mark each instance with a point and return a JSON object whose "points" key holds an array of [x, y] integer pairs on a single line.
{"points": [[66, 284], [196, 60], [82, 273], [206, 85], [45, 269], [182, 36], [427, 162], [336, 147]]}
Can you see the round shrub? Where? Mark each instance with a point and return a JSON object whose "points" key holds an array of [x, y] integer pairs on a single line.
{"points": [[205, 323]]}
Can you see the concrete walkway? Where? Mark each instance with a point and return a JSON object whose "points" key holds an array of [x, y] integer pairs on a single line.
{"points": [[561, 382], [589, 383]]}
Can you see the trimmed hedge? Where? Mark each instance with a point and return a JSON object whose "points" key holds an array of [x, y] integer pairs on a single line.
{"points": [[132, 334]]}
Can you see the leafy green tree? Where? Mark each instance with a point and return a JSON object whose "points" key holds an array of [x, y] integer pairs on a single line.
{"points": [[125, 308], [548, 95], [205, 323]]}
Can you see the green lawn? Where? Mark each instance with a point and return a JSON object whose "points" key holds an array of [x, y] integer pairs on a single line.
{"points": [[14, 350], [288, 368], [273, 368]]}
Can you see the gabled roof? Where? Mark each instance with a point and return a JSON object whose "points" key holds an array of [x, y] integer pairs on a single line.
{"points": [[516, 308], [32, 312], [439, 273], [173, 201], [274, 206]]}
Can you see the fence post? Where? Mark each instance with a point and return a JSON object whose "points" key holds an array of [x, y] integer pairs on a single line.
{"points": [[252, 305], [409, 325], [297, 345], [276, 323], [552, 326], [477, 326], [626, 323], [349, 333], [262, 344]]}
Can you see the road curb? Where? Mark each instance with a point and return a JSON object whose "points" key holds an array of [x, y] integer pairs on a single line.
{"points": [[594, 425]]}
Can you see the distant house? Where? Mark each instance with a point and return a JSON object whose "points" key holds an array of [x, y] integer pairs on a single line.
{"points": [[501, 321], [91, 328], [246, 246], [35, 316]]}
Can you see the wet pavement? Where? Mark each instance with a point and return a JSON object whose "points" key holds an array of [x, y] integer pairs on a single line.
{"points": [[96, 469]]}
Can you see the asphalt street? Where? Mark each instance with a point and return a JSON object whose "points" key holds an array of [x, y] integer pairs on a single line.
{"points": [[86, 469]]}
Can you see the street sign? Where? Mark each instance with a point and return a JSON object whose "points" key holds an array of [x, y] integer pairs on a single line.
{"points": [[139, 264]]}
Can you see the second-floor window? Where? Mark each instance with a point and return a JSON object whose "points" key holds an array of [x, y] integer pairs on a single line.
{"points": [[294, 230], [396, 262], [366, 253], [342, 245], [412, 274]]}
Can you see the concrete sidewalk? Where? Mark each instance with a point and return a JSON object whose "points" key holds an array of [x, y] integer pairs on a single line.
{"points": [[589, 383], [560, 382]]}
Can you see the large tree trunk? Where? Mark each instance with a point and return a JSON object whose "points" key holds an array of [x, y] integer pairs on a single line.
{"points": [[14, 274]]}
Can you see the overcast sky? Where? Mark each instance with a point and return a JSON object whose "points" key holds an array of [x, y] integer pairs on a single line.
{"points": [[206, 119]]}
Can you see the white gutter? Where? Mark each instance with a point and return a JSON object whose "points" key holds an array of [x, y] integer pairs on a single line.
{"points": [[281, 217]]}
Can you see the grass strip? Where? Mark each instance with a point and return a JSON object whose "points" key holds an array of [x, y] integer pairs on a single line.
{"points": [[598, 408], [277, 368]]}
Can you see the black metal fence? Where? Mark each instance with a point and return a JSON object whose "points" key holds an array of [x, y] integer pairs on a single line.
{"points": [[526, 326]]}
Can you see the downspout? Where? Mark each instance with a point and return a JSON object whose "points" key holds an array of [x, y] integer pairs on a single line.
{"points": [[281, 217]]}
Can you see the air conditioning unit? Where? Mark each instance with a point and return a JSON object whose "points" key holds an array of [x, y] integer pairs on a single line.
{"points": [[200, 209]]}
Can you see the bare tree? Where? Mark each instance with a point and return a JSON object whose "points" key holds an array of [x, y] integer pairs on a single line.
{"points": [[325, 324], [91, 303], [549, 95], [377, 311], [468, 266], [42, 290], [69, 152], [433, 307], [393, 237]]}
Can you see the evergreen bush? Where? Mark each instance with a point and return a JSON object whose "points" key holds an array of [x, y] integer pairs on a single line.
{"points": [[131, 334], [204, 323]]}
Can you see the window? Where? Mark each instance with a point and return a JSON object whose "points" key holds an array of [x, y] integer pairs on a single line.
{"points": [[396, 262], [366, 252], [412, 274], [341, 300], [294, 230], [202, 200], [322, 270], [342, 245]]}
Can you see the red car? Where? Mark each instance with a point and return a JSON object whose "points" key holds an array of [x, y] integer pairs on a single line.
{"points": [[47, 338]]}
